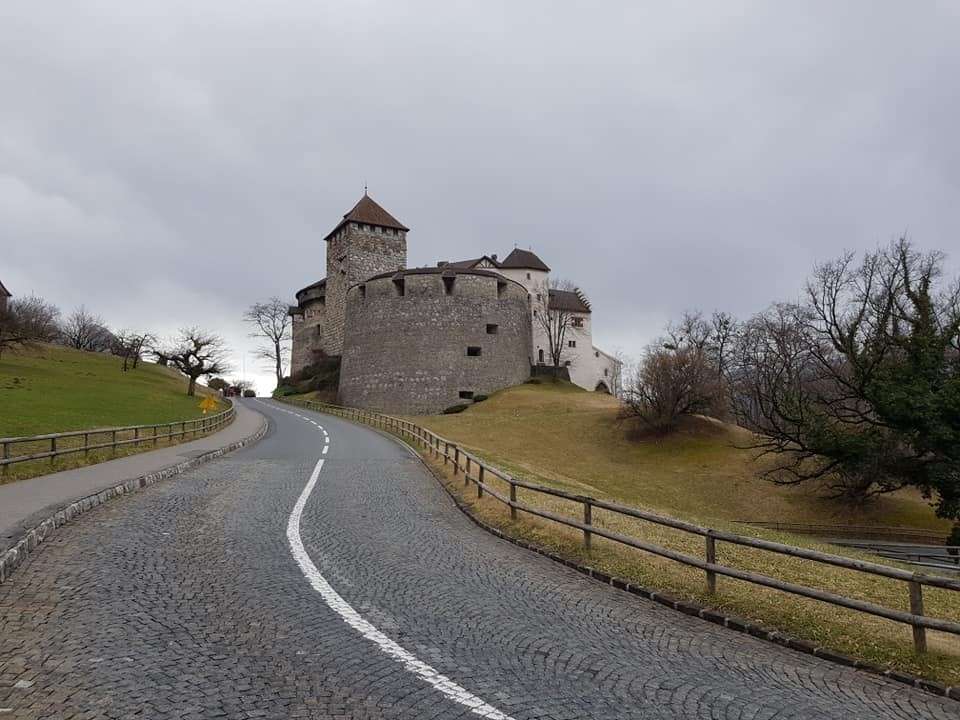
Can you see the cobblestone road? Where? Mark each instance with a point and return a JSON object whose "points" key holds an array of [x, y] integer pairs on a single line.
{"points": [[185, 601]]}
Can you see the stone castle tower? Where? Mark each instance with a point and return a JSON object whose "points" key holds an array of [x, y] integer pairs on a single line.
{"points": [[368, 241]]}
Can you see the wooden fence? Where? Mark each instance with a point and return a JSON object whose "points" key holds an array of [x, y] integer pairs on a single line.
{"points": [[476, 471], [77, 441]]}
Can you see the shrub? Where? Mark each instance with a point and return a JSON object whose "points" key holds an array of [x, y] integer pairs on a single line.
{"points": [[453, 409], [479, 398], [532, 381]]}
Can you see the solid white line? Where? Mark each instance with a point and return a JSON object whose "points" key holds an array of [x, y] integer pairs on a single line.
{"points": [[350, 616]]}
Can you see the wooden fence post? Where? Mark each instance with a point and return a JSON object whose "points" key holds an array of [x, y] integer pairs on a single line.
{"points": [[53, 449], [466, 474], [456, 458], [113, 441], [6, 456], [446, 452], [916, 607], [712, 559], [86, 444], [587, 520], [480, 484], [513, 500]]}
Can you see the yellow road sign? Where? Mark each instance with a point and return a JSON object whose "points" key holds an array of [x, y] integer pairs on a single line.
{"points": [[208, 404]]}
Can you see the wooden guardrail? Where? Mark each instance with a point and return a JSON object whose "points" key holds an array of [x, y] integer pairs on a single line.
{"points": [[84, 441], [475, 471]]}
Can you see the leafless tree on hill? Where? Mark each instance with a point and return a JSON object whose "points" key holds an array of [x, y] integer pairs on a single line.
{"points": [[271, 321], [197, 353], [27, 320], [82, 330], [555, 321], [37, 318], [130, 345]]}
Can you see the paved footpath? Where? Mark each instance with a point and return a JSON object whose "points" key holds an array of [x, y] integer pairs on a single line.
{"points": [[26, 502], [270, 584]]}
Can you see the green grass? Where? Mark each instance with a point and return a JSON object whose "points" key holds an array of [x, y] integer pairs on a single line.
{"points": [[49, 389]]}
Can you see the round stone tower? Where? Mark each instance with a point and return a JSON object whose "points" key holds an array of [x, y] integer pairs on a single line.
{"points": [[419, 341]]}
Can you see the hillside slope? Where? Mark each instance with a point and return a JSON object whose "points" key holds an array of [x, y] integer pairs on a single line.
{"points": [[572, 439], [51, 388]]}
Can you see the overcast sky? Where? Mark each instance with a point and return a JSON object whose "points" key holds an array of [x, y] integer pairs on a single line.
{"points": [[168, 163]]}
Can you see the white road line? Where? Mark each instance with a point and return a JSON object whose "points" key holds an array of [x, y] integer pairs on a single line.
{"points": [[410, 662], [325, 448]]}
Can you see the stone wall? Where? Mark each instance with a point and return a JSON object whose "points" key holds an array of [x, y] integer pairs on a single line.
{"points": [[308, 331], [408, 334], [356, 252]]}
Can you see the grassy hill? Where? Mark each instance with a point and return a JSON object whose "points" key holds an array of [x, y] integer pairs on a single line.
{"points": [[571, 439], [49, 388]]}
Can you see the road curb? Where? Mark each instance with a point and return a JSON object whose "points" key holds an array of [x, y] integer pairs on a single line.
{"points": [[12, 558], [687, 607]]}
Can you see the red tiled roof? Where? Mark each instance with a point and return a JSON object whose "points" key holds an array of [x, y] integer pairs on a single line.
{"points": [[569, 300], [524, 259], [368, 212]]}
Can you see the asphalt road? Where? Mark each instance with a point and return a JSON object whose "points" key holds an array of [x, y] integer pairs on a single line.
{"points": [[269, 584]]}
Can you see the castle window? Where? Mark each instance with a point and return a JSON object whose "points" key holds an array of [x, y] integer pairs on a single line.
{"points": [[448, 284], [319, 330], [399, 285], [540, 356], [576, 321], [492, 328], [571, 343], [528, 276], [596, 353], [606, 372], [363, 291], [394, 231], [473, 351], [466, 394], [501, 289]]}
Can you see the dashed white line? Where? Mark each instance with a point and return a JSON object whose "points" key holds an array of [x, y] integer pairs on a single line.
{"points": [[332, 598]]}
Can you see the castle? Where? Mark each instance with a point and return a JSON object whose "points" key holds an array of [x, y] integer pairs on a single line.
{"points": [[419, 340]]}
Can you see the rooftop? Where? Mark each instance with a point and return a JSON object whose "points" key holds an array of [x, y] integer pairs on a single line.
{"points": [[4, 292], [368, 212], [569, 300], [524, 259]]}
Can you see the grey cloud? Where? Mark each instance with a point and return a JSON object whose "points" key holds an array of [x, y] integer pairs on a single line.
{"points": [[169, 163]]}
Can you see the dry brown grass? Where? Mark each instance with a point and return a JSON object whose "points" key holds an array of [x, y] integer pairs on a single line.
{"points": [[571, 440]]}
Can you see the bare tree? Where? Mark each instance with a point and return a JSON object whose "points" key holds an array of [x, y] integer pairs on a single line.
{"points": [[11, 334], [82, 330], [36, 317], [27, 320], [857, 388], [130, 345], [271, 321], [554, 316], [197, 353], [673, 381]]}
